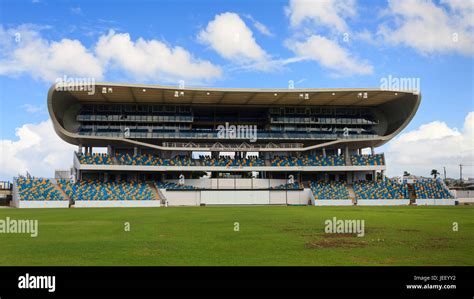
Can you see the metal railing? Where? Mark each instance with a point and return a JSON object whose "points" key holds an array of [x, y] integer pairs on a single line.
{"points": [[214, 135]]}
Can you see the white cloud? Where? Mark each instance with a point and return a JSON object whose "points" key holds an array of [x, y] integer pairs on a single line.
{"points": [[259, 26], [329, 54], [262, 28], [152, 59], [38, 150], [327, 13], [33, 109], [433, 146], [430, 28], [23, 50], [230, 37]]}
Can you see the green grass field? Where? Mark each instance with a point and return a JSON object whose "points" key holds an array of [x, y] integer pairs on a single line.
{"points": [[269, 235]]}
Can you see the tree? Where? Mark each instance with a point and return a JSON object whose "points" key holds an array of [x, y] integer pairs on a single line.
{"points": [[434, 173]]}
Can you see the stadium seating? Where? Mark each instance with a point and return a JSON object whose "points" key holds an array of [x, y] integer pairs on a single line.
{"points": [[309, 160], [329, 190], [367, 160], [95, 159], [37, 189], [152, 160], [229, 162], [380, 190], [173, 186], [292, 186], [99, 190], [431, 189]]}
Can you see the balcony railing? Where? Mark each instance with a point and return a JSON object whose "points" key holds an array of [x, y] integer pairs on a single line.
{"points": [[196, 135]]}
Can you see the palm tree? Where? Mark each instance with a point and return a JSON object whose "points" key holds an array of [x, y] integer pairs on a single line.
{"points": [[434, 173]]}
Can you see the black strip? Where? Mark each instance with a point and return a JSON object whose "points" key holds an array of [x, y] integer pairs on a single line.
{"points": [[218, 282]]}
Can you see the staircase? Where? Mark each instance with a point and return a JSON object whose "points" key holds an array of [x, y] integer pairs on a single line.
{"points": [[55, 183], [157, 193], [411, 193]]}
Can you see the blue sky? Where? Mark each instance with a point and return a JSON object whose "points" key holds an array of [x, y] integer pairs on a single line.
{"points": [[317, 44]]}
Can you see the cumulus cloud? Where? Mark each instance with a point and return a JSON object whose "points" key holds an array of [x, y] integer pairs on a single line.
{"points": [[327, 13], [229, 36], [151, 59], [329, 54], [433, 146], [37, 150], [430, 28], [23, 50]]}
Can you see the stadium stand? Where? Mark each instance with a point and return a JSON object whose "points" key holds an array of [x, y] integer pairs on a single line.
{"points": [[99, 190], [367, 160], [380, 190], [95, 159], [145, 160], [37, 189], [228, 161], [309, 160], [127, 159], [308, 130], [431, 189], [329, 190]]}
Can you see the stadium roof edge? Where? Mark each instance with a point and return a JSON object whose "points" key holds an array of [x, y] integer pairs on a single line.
{"points": [[147, 93]]}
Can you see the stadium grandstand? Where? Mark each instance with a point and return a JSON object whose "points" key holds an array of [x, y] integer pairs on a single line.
{"points": [[149, 145]]}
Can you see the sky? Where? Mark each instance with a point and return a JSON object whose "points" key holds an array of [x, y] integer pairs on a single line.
{"points": [[241, 44]]}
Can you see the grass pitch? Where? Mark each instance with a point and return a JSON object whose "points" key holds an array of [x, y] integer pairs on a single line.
{"points": [[268, 235]]}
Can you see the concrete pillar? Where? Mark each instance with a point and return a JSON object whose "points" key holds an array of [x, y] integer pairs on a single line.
{"points": [[135, 150], [346, 151], [324, 152], [372, 151], [109, 150], [359, 151], [79, 149]]}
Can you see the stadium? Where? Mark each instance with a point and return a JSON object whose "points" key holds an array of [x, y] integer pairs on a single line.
{"points": [[176, 146]]}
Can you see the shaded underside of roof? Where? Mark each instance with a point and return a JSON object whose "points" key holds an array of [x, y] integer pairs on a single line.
{"points": [[125, 93]]}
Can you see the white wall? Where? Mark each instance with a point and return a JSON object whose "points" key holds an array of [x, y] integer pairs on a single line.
{"points": [[463, 193], [278, 197], [299, 197], [116, 203], [34, 204], [435, 202], [229, 197], [383, 202], [182, 198], [333, 202]]}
